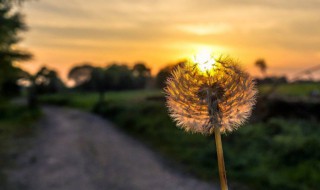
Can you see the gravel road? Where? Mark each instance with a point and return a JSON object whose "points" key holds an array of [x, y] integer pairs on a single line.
{"points": [[76, 150]]}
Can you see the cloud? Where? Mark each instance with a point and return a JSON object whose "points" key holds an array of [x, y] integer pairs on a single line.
{"points": [[272, 4], [71, 9], [152, 26], [205, 29]]}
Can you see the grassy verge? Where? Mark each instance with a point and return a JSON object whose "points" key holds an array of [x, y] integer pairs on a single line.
{"points": [[15, 124], [86, 101], [293, 90], [276, 154]]}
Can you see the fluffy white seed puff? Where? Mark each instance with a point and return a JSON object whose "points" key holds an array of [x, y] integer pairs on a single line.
{"points": [[220, 97]]}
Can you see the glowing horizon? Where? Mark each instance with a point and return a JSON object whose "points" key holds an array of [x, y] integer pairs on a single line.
{"points": [[63, 34]]}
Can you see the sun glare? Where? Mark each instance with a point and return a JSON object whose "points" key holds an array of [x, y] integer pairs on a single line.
{"points": [[204, 60]]}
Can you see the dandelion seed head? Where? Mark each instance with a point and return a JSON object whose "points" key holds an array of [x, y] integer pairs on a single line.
{"points": [[220, 95]]}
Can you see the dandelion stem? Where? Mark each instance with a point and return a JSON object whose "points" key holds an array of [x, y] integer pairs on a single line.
{"points": [[222, 170]]}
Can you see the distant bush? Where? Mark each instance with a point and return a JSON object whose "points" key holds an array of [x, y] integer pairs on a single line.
{"points": [[272, 80]]}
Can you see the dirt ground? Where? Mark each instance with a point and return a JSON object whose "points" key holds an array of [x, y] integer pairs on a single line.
{"points": [[75, 150]]}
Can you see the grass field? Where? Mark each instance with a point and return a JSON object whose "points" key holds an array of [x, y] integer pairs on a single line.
{"points": [[293, 90], [86, 101], [275, 154]]}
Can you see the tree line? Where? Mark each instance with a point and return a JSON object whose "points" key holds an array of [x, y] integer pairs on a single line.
{"points": [[115, 76], [85, 76]]}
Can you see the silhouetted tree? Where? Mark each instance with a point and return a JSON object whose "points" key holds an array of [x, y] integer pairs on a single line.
{"points": [[11, 24], [164, 73], [98, 80], [119, 77], [44, 81], [141, 75], [47, 81], [262, 65], [9, 75], [116, 76], [81, 74]]}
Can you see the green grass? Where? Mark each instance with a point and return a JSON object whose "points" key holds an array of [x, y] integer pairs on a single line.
{"points": [[272, 155], [276, 154], [296, 90], [16, 123], [86, 101]]}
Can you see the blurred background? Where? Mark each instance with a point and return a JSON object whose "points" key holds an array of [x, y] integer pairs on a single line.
{"points": [[112, 58]]}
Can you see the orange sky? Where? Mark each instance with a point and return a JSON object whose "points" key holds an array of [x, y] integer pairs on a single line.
{"points": [[64, 33]]}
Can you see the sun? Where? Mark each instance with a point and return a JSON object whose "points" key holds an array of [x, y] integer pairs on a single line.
{"points": [[204, 60]]}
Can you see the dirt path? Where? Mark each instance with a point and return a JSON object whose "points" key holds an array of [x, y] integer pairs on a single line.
{"points": [[81, 151]]}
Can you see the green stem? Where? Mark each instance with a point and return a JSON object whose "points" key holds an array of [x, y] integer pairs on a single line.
{"points": [[222, 170]]}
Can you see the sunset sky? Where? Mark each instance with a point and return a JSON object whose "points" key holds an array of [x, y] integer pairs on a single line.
{"points": [[63, 33]]}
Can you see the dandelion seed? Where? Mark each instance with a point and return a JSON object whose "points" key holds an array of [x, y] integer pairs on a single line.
{"points": [[231, 93], [207, 95]]}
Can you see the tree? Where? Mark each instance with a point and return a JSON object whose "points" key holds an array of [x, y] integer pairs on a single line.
{"points": [[98, 79], [9, 75], [47, 81], [11, 25], [43, 82], [262, 65], [81, 74], [164, 73], [118, 77], [141, 74]]}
